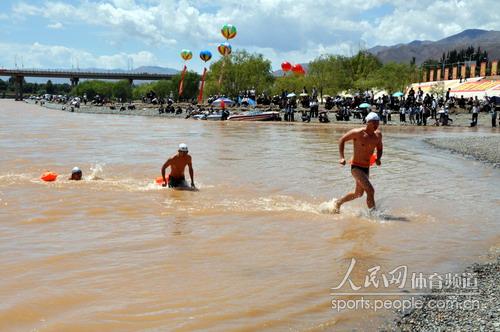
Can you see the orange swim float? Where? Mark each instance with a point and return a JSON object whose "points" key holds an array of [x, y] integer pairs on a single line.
{"points": [[49, 176], [159, 180]]}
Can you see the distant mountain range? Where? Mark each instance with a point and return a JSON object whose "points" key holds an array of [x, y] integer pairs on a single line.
{"points": [[424, 49]]}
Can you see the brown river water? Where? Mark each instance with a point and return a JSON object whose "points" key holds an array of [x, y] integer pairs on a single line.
{"points": [[256, 248]]}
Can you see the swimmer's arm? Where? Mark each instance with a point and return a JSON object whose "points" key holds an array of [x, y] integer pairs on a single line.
{"points": [[351, 134], [191, 172], [164, 167], [380, 150]]}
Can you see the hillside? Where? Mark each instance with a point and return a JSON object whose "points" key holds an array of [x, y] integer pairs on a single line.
{"points": [[423, 50]]}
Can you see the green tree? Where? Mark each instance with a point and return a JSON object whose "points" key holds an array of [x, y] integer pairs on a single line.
{"points": [[290, 83], [93, 88], [190, 86], [122, 90], [3, 85], [392, 77], [49, 87], [360, 67], [238, 72]]}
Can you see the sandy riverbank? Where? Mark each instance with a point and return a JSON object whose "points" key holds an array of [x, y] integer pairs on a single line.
{"points": [[483, 148], [478, 312], [459, 119]]}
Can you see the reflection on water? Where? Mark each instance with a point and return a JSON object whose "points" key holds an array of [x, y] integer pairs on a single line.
{"points": [[257, 247]]}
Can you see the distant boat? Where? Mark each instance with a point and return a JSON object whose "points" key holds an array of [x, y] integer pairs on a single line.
{"points": [[209, 117], [256, 116]]}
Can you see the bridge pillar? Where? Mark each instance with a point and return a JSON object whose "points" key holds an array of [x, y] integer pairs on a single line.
{"points": [[74, 81], [19, 87]]}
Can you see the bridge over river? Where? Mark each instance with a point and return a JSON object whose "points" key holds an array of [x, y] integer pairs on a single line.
{"points": [[75, 75]]}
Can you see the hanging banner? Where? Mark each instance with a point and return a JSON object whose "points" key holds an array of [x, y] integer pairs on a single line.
{"points": [[431, 75], [454, 73], [494, 68], [472, 70], [482, 71], [200, 96], [446, 73], [438, 74], [463, 71], [181, 83]]}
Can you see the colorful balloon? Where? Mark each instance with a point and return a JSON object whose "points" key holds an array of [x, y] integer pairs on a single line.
{"points": [[298, 69], [286, 66], [228, 31], [225, 49], [186, 55], [205, 55]]}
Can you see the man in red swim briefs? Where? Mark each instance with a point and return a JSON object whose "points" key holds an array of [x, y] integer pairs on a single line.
{"points": [[365, 141]]}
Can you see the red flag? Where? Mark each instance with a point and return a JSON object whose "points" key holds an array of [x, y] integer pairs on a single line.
{"points": [[200, 96], [181, 83]]}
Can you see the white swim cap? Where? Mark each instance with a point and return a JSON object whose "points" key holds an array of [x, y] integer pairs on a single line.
{"points": [[76, 170], [183, 147], [372, 116]]}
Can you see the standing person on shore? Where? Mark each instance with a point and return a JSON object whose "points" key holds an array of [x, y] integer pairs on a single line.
{"points": [[475, 114], [365, 141], [177, 164]]}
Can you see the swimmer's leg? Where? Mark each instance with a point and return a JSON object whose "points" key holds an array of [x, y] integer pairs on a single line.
{"points": [[358, 192], [364, 182]]}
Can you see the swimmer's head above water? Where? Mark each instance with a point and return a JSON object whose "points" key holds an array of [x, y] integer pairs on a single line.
{"points": [[372, 121], [76, 174], [183, 148]]}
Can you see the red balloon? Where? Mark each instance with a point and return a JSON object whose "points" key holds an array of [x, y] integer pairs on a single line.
{"points": [[286, 66], [298, 68]]}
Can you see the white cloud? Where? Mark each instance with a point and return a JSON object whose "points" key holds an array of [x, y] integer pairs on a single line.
{"points": [[55, 26], [39, 55], [432, 20], [281, 29]]}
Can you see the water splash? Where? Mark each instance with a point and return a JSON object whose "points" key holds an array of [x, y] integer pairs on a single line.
{"points": [[96, 172]]}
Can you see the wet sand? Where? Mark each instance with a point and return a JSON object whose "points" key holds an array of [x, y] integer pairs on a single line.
{"points": [[482, 148]]}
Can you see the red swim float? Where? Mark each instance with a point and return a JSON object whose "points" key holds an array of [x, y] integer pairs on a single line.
{"points": [[49, 176], [373, 159]]}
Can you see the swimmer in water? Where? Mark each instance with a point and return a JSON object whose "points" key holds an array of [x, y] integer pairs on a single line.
{"points": [[365, 141], [177, 165], [76, 174]]}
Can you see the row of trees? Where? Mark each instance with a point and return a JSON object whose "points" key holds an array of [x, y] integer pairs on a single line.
{"points": [[35, 88], [459, 56], [330, 74], [241, 71]]}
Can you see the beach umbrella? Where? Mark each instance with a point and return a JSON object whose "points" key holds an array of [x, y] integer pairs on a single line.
{"points": [[226, 101], [398, 94], [365, 105], [290, 95]]}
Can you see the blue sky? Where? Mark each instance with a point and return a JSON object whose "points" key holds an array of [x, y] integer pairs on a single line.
{"points": [[124, 33]]}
